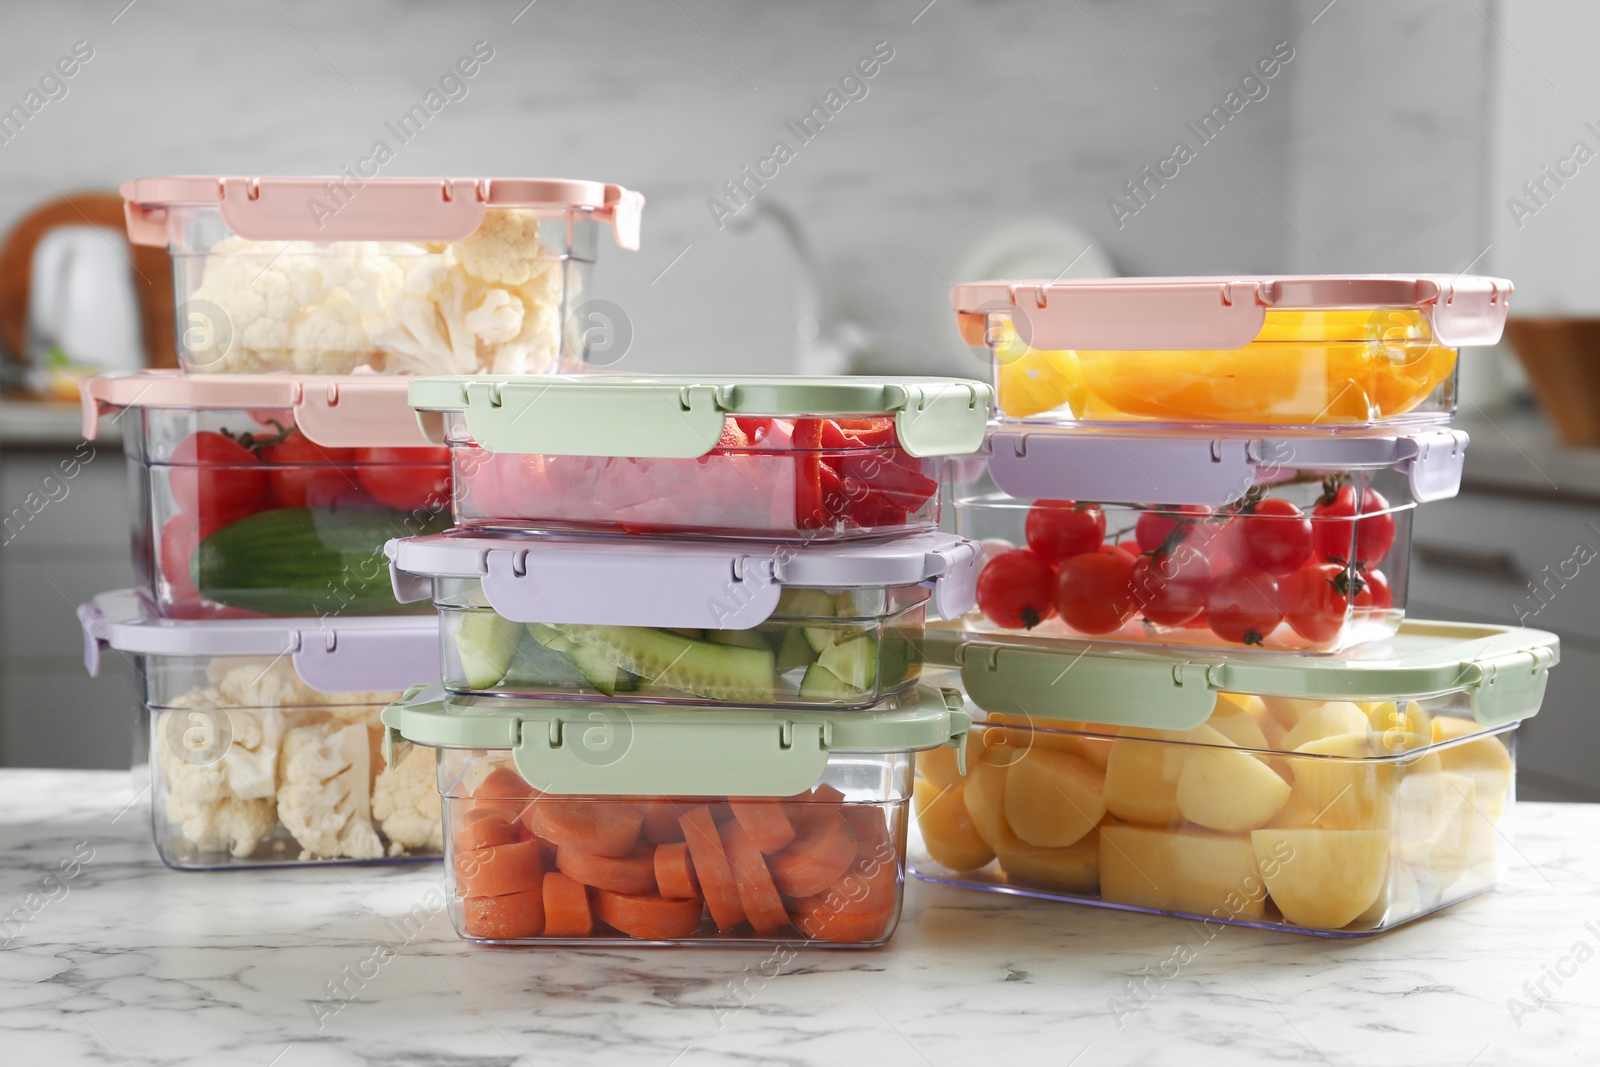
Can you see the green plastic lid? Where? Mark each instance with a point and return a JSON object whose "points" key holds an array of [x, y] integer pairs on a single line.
{"points": [[582, 748], [1503, 670], [681, 416]]}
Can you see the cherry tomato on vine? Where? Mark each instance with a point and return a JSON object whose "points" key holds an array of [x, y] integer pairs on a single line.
{"points": [[1060, 529], [1376, 594], [1274, 536], [1170, 587], [1017, 590], [1155, 527], [304, 474], [1094, 592], [1243, 605], [1339, 537], [1317, 600], [408, 479], [216, 479]]}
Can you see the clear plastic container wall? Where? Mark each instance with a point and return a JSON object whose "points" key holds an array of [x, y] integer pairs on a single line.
{"points": [[1319, 817], [825, 866]]}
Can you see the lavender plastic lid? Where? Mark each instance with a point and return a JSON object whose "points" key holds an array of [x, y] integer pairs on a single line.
{"points": [[336, 655], [700, 584], [1206, 468]]}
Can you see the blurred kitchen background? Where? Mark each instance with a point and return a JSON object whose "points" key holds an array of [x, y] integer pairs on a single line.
{"points": [[1394, 135]]}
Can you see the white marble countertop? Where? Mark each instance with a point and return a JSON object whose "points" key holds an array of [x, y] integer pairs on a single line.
{"points": [[126, 962]]}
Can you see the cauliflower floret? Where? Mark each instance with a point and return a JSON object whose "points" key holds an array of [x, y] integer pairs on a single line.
{"points": [[324, 774], [406, 803], [505, 249], [291, 305], [261, 683], [226, 803]]}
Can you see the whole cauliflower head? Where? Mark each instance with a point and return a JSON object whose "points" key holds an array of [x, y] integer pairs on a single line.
{"points": [[406, 802]]}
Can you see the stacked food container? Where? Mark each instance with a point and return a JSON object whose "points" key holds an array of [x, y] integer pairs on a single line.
{"points": [[1199, 694], [682, 622], [267, 476]]}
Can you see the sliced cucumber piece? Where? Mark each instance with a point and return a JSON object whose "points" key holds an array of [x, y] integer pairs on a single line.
{"points": [[805, 603], [822, 686], [854, 662], [694, 635], [738, 638], [897, 656], [666, 660], [485, 643], [597, 668], [539, 666], [793, 649], [549, 637]]}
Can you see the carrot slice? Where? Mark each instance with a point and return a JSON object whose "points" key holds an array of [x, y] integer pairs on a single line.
{"points": [[871, 825], [765, 822], [505, 918], [504, 793], [824, 850], [675, 871], [845, 927], [869, 886], [711, 867], [486, 831], [566, 907], [634, 873], [650, 918], [599, 827], [661, 822], [499, 869], [757, 893]]}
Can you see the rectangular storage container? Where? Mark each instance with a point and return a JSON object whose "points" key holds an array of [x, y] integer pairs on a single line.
{"points": [[1305, 551], [270, 494], [1292, 351], [621, 824], [780, 458], [264, 739], [1331, 797], [685, 622], [396, 275]]}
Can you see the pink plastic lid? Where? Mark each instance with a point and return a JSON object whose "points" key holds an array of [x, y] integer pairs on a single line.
{"points": [[334, 655], [370, 209], [1226, 312], [335, 411]]}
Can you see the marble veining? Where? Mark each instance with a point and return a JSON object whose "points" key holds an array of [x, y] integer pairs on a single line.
{"points": [[125, 962]]}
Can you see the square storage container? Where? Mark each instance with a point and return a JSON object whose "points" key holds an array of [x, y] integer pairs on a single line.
{"points": [[1288, 544], [624, 824], [265, 747], [270, 494], [1336, 797], [396, 275], [1292, 351], [779, 458], [685, 622]]}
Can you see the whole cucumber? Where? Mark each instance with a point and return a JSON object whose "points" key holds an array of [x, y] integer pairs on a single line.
{"points": [[308, 561]]}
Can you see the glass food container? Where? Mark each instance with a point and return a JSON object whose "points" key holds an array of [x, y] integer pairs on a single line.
{"points": [[1336, 797], [396, 275], [594, 824], [270, 494], [264, 740], [685, 622], [780, 457], [1292, 351], [1291, 544]]}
